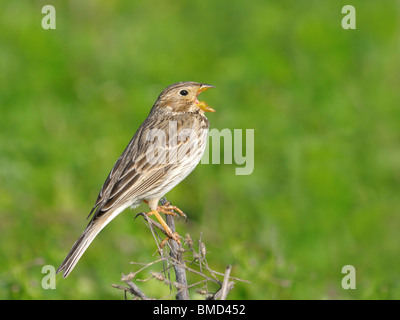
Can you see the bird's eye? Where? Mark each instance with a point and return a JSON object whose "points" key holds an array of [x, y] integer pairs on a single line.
{"points": [[183, 93]]}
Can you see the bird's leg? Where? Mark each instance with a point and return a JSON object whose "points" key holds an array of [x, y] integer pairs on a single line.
{"points": [[170, 235], [167, 208]]}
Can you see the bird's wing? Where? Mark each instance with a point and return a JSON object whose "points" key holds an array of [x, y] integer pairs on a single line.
{"points": [[137, 173]]}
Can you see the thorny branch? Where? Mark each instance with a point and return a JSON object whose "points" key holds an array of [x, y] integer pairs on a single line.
{"points": [[183, 259]]}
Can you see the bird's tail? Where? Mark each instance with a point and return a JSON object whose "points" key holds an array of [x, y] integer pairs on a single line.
{"points": [[86, 238], [79, 248]]}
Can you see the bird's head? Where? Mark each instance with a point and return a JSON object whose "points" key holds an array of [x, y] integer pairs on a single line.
{"points": [[182, 97]]}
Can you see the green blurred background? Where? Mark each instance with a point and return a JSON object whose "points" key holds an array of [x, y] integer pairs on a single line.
{"points": [[323, 101]]}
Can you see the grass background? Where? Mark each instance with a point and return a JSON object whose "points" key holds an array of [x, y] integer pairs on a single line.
{"points": [[323, 101]]}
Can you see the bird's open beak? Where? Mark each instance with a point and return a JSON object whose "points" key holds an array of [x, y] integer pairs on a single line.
{"points": [[201, 104]]}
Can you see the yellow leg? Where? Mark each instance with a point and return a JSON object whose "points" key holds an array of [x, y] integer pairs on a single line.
{"points": [[167, 229], [169, 209]]}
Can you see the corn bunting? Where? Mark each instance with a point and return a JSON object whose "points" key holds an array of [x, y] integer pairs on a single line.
{"points": [[164, 150]]}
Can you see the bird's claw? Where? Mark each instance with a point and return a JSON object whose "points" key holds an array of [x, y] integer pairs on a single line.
{"points": [[167, 208], [174, 236]]}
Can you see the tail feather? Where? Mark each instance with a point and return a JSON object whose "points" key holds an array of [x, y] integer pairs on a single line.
{"points": [[85, 239], [79, 248]]}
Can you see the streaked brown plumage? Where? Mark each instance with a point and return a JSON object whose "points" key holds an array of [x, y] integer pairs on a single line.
{"points": [[165, 149]]}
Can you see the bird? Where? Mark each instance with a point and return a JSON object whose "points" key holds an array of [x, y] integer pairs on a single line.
{"points": [[165, 149]]}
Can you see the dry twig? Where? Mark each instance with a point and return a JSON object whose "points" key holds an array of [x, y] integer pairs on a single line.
{"points": [[172, 256]]}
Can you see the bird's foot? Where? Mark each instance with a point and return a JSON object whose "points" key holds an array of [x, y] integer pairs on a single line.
{"points": [[170, 235], [167, 208], [175, 236]]}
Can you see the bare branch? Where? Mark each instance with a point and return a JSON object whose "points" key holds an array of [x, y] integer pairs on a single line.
{"points": [[172, 258], [176, 253], [133, 289], [225, 289]]}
